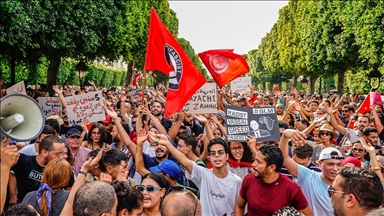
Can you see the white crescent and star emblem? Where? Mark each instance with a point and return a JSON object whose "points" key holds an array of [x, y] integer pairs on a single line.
{"points": [[219, 63]]}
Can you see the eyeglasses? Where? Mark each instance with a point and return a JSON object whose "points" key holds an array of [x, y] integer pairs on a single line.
{"points": [[332, 191], [325, 133], [237, 148], [58, 154], [96, 133], [358, 150], [219, 152], [149, 188], [188, 191], [133, 122], [344, 110]]}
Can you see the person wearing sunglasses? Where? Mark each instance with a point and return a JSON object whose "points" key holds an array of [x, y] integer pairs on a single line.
{"points": [[313, 184], [218, 186], [358, 152], [356, 191], [326, 134], [153, 187]]}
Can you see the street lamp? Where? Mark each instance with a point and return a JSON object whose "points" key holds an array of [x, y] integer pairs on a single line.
{"points": [[304, 82], [82, 68], [374, 74]]}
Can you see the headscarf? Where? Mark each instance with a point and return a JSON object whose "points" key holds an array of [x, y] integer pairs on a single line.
{"points": [[45, 187]]}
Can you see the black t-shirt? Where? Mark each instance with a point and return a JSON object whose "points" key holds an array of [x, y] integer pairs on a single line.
{"points": [[166, 123], [28, 175]]}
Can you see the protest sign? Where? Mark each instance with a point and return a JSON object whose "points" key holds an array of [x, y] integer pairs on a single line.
{"points": [[85, 106], [203, 101], [259, 122], [240, 84], [50, 106], [18, 88]]}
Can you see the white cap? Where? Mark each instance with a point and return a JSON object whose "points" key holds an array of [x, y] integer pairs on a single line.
{"points": [[327, 154]]}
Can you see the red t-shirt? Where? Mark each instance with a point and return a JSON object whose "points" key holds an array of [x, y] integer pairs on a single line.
{"points": [[266, 198]]}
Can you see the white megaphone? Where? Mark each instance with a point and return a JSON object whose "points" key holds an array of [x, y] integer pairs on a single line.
{"points": [[21, 118]]}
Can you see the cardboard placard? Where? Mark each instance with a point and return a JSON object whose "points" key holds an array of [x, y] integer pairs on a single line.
{"points": [[240, 84], [18, 88], [203, 101], [259, 122], [50, 106], [85, 106]]}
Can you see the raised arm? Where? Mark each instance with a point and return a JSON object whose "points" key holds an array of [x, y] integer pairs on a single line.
{"points": [[372, 156], [204, 120], [334, 123], [296, 137], [155, 121], [120, 129], [378, 124], [59, 92], [221, 126], [123, 110], [80, 180], [180, 157], [139, 161], [176, 126], [9, 155]]}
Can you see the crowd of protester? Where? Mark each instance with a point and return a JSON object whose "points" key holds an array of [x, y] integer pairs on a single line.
{"points": [[328, 161]]}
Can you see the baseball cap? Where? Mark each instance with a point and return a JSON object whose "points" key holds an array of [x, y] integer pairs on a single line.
{"points": [[169, 167], [107, 120], [221, 114], [327, 154], [73, 132], [351, 160]]}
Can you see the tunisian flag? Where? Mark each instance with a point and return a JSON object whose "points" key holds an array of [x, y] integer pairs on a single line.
{"points": [[366, 105], [136, 79], [165, 54], [224, 65]]}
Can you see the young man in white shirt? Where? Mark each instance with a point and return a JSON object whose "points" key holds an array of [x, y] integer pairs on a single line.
{"points": [[218, 186]]}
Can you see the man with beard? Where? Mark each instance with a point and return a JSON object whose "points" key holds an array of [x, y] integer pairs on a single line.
{"points": [[157, 109], [188, 121], [217, 185], [29, 169], [356, 191], [352, 135], [266, 179], [346, 113], [64, 128], [314, 184], [280, 111]]}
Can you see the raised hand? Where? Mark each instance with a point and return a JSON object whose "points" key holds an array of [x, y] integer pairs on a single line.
{"points": [[91, 82], [8, 154], [200, 118], [318, 119], [111, 112], [295, 136], [368, 146], [181, 115], [92, 161], [57, 89], [84, 123], [141, 136]]}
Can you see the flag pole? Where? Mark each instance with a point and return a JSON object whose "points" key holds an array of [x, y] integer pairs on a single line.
{"points": [[143, 87]]}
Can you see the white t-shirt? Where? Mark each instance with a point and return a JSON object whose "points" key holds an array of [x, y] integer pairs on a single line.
{"points": [[315, 190], [217, 195], [29, 150]]}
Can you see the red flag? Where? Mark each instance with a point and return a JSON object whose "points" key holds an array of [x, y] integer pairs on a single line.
{"points": [[165, 54], [277, 90], [366, 105], [136, 79], [224, 65]]}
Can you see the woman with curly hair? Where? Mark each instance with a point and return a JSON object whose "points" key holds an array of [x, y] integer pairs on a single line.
{"points": [[50, 198], [97, 137], [130, 200]]}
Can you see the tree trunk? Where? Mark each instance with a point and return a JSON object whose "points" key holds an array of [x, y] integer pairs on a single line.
{"points": [[54, 63], [13, 69], [312, 81], [294, 80], [130, 72], [264, 86], [270, 86], [281, 86], [340, 83]]}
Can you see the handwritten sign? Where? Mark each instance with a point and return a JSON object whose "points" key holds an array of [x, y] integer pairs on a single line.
{"points": [[85, 106], [203, 101], [259, 122], [50, 106], [240, 84], [18, 88]]}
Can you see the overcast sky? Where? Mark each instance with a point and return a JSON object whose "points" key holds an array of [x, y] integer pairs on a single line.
{"points": [[238, 25]]}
